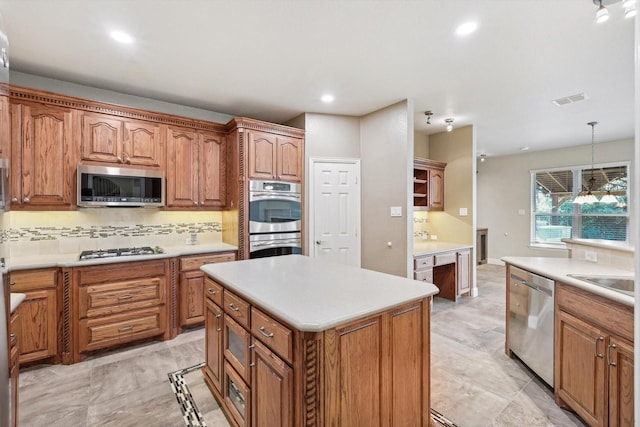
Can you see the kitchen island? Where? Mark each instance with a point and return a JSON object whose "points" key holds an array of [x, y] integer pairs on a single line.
{"points": [[295, 341]]}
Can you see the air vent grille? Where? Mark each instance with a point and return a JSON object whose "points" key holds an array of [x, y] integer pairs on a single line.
{"points": [[570, 99]]}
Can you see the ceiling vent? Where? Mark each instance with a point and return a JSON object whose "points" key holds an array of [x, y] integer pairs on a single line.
{"points": [[570, 99]]}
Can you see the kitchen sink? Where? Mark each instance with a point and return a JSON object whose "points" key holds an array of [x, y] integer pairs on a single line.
{"points": [[617, 283]]}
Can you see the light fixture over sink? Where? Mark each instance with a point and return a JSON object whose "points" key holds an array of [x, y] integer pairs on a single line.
{"points": [[588, 197]]}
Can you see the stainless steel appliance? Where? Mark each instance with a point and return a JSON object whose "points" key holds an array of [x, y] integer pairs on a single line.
{"points": [[531, 321], [111, 253], [275, 211], [119, 187]]}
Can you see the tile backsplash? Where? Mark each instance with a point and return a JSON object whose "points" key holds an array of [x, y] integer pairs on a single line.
{"points": [[34, 233]]}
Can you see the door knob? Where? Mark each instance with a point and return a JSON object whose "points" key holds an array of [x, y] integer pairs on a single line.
{"points": [[318, 242]]}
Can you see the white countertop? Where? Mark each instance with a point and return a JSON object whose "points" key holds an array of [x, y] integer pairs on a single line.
{"points": [[426, 247], [16, 300], [71, 260], [558, 268], [314, 295]]}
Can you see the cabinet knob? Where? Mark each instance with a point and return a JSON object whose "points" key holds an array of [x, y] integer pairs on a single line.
{"points": [[211, 291], [119, 159], [12, 336], [14, 199], [26, 200], [195, 203]]}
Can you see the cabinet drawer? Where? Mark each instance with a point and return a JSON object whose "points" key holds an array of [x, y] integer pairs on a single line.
{"points": [[236, 307], [442, 259], [28, 280], [275, 335], [423, 262], [213, 291], [424, 275], [107, 331], [195, 262], [110, 298]]}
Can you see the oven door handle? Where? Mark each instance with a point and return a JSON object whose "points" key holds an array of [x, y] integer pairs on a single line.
{"points": [[275, 242], [274, 195]]}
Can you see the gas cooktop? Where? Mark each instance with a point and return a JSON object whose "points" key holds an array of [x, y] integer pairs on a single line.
{"points": [[110, 253]]}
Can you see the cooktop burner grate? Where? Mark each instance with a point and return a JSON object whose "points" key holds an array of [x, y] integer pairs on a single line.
{"points": [[110, 253]]}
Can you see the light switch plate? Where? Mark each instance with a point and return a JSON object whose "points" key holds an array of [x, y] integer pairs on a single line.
{"points": [[464, 212], [396, 210], [521, 211]]}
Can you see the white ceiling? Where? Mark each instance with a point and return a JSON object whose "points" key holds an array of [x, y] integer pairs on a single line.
{"points": [[273, 59]]}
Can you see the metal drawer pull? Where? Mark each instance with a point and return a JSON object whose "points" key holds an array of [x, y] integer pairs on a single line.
{"points": [[12, 336], [233, 307], [251, 365], [12, 283], [211, 291], [218, 329], [611, 362], [264, 334], [126, 328], [123, 297], [600, 355]]}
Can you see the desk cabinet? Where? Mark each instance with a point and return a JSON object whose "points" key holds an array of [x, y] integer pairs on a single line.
{"points": [[450, 271]]}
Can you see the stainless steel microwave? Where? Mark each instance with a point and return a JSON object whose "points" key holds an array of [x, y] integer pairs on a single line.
{"points": [[120, 187]]}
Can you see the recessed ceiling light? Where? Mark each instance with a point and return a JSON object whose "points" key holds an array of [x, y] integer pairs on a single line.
{"points": [[466, 28], [327, 98], [121, 37]]}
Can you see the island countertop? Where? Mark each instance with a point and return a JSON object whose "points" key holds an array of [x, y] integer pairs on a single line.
{"points": [[313, 295]]}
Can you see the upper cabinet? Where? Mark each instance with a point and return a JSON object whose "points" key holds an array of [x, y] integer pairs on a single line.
{"points": [[43, 156], [109, 139], [274, 157], [196, 169], [428, 184]]}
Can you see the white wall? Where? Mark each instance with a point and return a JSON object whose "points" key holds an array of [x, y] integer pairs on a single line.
{"points": [[386, 152], [504, 187]]}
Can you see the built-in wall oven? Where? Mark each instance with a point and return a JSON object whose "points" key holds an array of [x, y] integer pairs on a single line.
{"points": [[275, 211]]}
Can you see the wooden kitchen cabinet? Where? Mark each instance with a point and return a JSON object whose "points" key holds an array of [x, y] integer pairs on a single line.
{"points": [[274, 157], [428, 184], [116, 304], [196, 169], [43, 156], [594, 357], [14, 362], [38, 313], [464, 273], [372, 371], [192, 285], [109, 139], [450, 271]]}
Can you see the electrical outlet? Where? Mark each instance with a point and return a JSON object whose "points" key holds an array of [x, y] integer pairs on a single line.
{"points": [[434, 237], [591, 256]]}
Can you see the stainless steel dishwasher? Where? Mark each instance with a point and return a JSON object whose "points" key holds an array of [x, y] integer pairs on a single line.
{"points": [[531, 322]]}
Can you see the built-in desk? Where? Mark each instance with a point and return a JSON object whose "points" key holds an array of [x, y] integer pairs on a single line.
{"points": [[446, 265]]}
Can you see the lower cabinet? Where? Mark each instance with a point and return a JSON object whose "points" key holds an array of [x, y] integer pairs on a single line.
{"points": [[265, 373], [191, 285], [464, 273], [451, 272], [13, 369], [38, 329], [118, 303], [594, 357]]}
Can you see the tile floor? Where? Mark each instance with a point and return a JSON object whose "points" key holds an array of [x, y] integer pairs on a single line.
{"points": [[473, 382]]}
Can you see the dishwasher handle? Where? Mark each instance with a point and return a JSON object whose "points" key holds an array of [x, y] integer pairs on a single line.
{"points": [[533, 286]]}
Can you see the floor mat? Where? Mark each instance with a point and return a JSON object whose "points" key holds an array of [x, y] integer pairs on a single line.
{"points": [[193, 417]]}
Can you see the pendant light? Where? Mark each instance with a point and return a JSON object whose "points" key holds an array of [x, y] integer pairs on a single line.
{"points": [[588, 197]]}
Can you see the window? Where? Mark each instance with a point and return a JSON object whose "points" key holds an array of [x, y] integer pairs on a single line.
{"points": [[555, 216]]}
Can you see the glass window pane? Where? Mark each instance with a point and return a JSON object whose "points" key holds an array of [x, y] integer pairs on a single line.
{"points": [[604, 227], [551, 229]]}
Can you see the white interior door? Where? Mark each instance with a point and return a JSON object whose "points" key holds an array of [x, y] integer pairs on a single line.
{"points": [[335, 206]]}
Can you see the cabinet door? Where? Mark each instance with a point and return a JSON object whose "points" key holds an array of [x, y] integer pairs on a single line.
{"points": [[182, 168], [464, 272], [5, 128], [14, 355], [191, 298], [436, 189], [620, 357], [37, 334], [271, 389], [213, 329], [580, 368], [289, 159], [101, 138], [213, 172], [262, 155], [46, 155], [142, 144]]}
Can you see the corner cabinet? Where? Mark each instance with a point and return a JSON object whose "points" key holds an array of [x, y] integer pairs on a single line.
{"points": [[594, 357], [265, 373], [274, 157], [109, 139], [196, 169], [37, 330], [43, 158], [428, 184]]}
